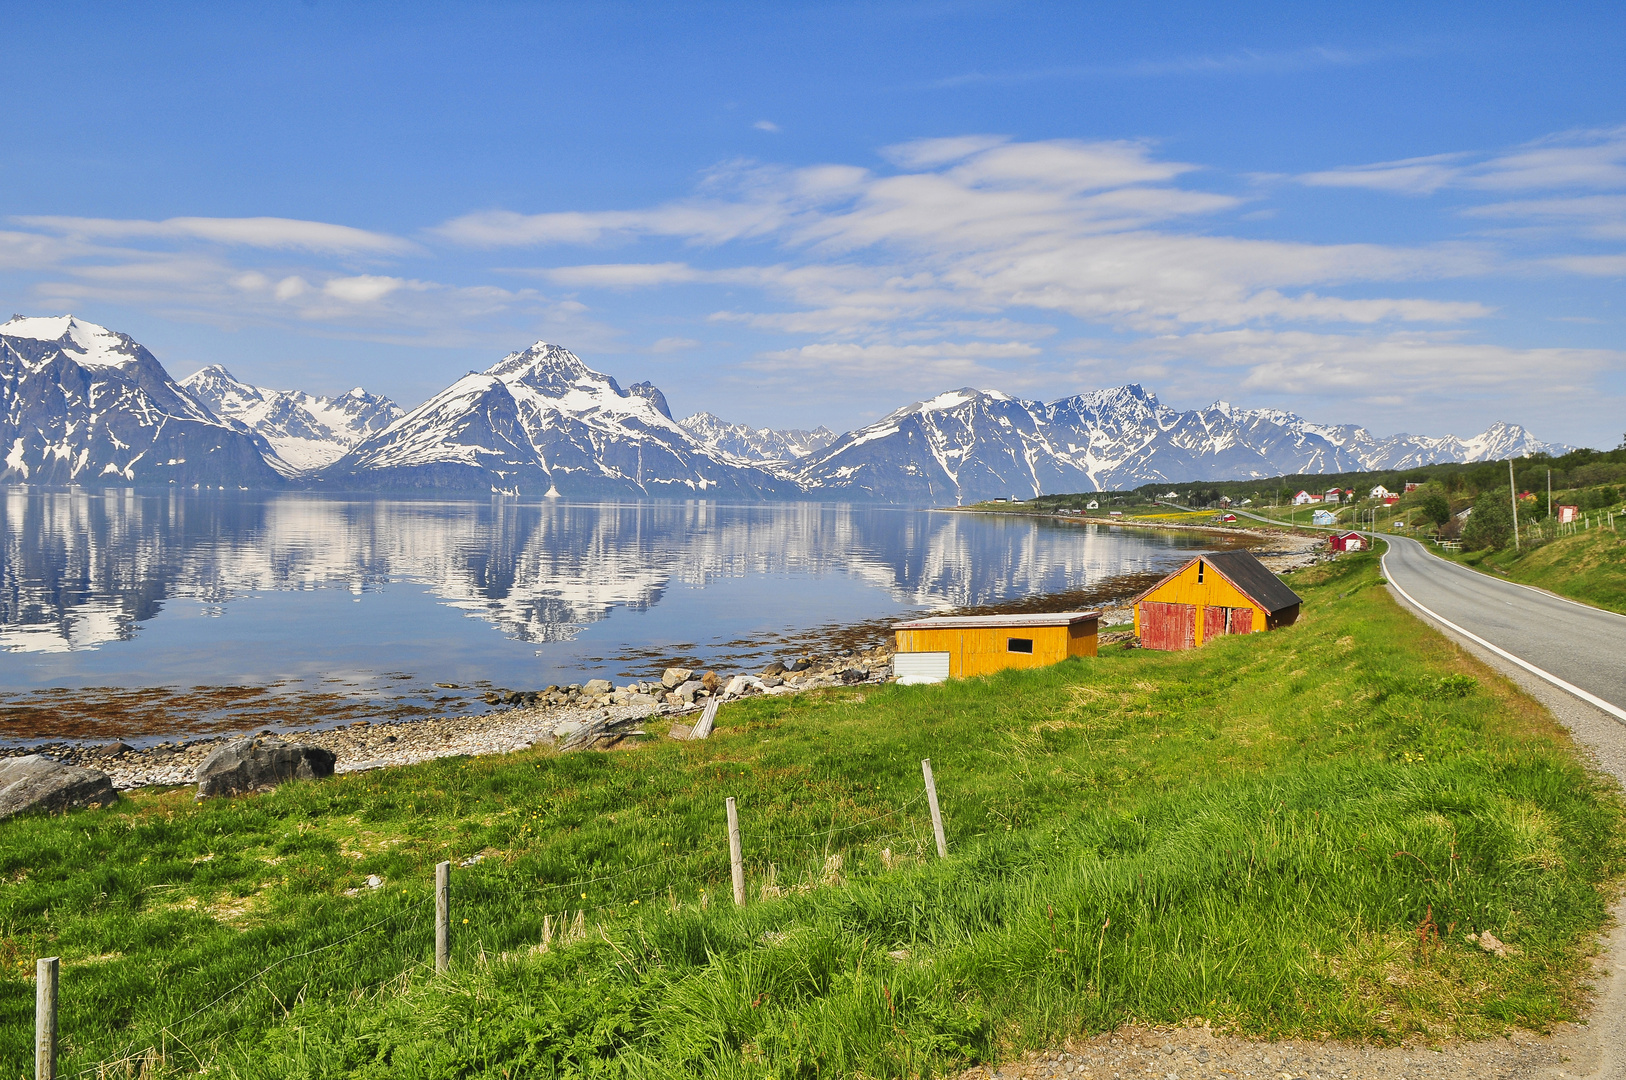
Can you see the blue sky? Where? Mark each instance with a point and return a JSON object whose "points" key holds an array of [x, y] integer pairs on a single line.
{"points": [[1407, 216]]}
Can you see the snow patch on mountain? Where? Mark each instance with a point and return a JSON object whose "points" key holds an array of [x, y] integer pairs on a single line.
{"points": [[763, 446], [541, 421], [976, 444], [306, 431], [82, 404], [88, 344]]}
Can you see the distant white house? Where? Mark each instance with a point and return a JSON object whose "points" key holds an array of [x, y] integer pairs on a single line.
{"points": [[1381, 492], [1323, 517], [1170, 495], [1335, 495], [1304, 498], [1092, 505]]}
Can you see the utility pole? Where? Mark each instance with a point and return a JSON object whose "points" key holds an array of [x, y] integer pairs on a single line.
{"points": [[1513, 495]]}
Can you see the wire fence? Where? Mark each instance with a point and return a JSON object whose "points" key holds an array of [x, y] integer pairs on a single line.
{"points": [[484, 890]]}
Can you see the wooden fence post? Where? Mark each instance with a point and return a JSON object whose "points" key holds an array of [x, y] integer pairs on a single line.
{"points": [[443, 917], [736, 859], [708, 717], [45, 974], [937, 815]]}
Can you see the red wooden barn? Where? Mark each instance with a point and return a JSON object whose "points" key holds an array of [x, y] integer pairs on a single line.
{"points": [[1228, 592], [1350, 541]]}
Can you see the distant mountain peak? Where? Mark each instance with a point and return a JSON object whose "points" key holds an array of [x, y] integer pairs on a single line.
{"points": [[95, 346], [305, 431], [82, 404], [545, 366], [763, 446]]}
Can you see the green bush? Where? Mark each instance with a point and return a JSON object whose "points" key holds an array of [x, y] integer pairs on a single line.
{"points": [[1599, 497], [1491, 523]]}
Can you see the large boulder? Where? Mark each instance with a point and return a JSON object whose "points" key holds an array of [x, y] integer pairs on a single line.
{"points": [[37, 782], [260, 764], [675, 677]]}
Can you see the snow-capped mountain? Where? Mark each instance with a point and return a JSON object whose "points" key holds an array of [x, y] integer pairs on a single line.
{"points": [[969, 444], [80, 403], [306, 432], [541, 421], [760, 445]]}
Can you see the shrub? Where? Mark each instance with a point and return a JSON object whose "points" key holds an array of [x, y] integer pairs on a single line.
{"points": [[1436, 508], [1599, 497], [1491, 523]]}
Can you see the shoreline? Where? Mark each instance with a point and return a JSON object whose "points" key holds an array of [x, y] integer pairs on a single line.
{"points": [[550, 717], [363, 745]]}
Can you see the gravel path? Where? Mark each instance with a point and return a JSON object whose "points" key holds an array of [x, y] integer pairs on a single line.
{"points": [[1199, 1054]]}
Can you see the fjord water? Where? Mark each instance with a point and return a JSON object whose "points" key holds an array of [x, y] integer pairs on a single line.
{"points": [[367, 596]]}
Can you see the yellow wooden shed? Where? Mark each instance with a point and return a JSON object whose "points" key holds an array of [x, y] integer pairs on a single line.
{"points": [[1227, 592], [956, 646]]}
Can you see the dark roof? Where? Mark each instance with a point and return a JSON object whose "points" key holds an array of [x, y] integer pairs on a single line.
{"points": [[1249, 575], [1255, 579]]}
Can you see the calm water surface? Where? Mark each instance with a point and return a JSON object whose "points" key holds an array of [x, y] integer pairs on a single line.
{"points": [[368, 598]]}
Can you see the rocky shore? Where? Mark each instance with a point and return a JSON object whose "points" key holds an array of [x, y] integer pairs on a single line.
{"points": [[596, 714]]}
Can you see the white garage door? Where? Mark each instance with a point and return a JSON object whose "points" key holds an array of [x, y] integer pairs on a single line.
{"points": [[920, 667]]}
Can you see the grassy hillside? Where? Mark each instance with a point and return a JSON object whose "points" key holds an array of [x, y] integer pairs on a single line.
{"points": [[1589, 566], [1288, 833]]}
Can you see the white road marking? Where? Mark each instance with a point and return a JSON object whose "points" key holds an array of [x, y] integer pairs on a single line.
{"points": [[1590, 699]]}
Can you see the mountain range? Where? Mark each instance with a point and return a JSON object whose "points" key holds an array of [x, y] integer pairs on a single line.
{"points": [[306, 432], [83, 404]]}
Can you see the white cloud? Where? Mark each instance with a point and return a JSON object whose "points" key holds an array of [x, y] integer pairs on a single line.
{"points": [[917, 367], [1411, 176], [259, 232], [1595, 265], [365, 288], [674, 344], [1588, 159], [1599, 216], [766, 125], [623, 275], [985, 225], [1398, 365], [1593, 159]]}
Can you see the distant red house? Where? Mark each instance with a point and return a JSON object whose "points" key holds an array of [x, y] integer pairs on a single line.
{"points": [[1567, 514], [1350, 541], [1412, 487], [1390, 500]]}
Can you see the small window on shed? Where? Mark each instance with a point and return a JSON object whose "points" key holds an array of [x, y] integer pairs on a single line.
{"points": [[1019, 644], [1199, 571]]}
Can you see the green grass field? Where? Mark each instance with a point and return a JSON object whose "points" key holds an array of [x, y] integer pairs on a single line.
{"points": [[1284, 834], [1589, 566]]}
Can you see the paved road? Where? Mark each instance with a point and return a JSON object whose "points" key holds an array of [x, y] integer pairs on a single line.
{"points": [[1582, 648]]}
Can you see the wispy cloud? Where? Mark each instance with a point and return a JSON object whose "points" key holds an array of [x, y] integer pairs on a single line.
{"points": [[1411, 176], [1240, 62], [259, 232], [1589, 158], [981, 224]]}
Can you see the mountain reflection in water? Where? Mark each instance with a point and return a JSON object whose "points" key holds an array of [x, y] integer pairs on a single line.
{"points": [[128, 589]]}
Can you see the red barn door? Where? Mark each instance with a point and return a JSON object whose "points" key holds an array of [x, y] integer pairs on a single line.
{"points": [[1169, 627], [1219, 621]]}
